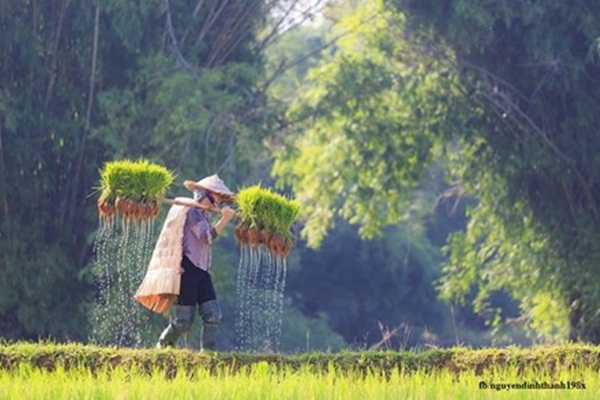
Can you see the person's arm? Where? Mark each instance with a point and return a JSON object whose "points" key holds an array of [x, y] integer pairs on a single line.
{"points": [[227, 215]]}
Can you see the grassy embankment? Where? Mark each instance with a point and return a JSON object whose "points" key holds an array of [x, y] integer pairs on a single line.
{"points": [[30, 370]]}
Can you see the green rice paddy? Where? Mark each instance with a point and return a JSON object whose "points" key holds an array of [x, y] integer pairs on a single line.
{"points": [[46, 371]]}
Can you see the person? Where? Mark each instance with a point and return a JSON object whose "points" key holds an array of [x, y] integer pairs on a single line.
{"points": [[197, 293]]}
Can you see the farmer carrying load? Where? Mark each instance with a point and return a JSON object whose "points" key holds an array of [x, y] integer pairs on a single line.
{"points": [[186, 238]]}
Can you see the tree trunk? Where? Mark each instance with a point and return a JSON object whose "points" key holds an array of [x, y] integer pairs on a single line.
{"points": [[73, 206], [54, 53], [4, 230], [583, 324]]}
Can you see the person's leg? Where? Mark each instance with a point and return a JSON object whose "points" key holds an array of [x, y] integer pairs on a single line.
{"points": [[209, 311], [185, 309]]}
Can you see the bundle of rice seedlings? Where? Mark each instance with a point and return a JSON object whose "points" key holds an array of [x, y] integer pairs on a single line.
{"points": [[266, 218], [132, 189]]}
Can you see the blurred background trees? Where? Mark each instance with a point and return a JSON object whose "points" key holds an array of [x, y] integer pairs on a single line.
{"points": [[445, 154], [497, 94], [85, 82]]}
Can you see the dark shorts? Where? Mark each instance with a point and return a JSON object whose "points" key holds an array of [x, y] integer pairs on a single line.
{"points": [[196, 285]]}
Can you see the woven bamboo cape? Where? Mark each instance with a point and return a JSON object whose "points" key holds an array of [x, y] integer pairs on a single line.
{"points": [[160, 287]]}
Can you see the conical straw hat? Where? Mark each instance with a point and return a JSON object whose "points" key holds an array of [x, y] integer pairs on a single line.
{"points": [[212, 184]]}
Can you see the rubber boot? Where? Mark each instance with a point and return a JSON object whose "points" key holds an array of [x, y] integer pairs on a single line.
{"points": [[184, 317], [211, 317]]}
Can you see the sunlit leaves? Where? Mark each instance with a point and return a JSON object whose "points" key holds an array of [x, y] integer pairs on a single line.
{"points": [[369, 123]]}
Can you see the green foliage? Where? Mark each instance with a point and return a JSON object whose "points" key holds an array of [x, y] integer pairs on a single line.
{"points": [[528, 154], [68, 105], [191, 122], [303, 334], [491, 256], [511, 118], [384, 280], [297, 51], [359, 155], [43, 289]]}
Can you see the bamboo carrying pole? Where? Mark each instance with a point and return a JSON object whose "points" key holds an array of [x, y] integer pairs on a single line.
{"points": [[187, 202]]}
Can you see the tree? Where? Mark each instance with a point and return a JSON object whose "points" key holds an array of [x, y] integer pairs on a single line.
{"points": [[360, 283], [530, 69], [84, 82], [45, 78], [356, 123], [502, 101]]}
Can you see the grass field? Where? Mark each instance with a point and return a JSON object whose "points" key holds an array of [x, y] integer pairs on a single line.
{"points": [[48, 371]]}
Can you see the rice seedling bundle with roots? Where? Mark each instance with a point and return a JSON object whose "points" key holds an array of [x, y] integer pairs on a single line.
{"points": [[132, 189], [264, 232], [266, 219], [130, 194]]}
